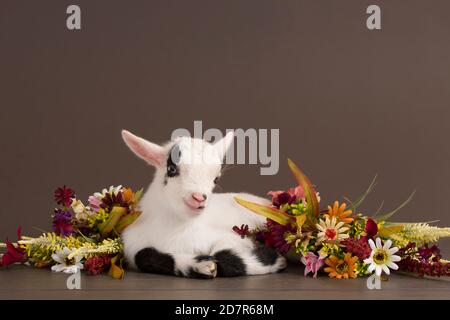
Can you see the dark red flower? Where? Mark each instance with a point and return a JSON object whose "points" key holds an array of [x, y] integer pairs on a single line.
{"points": [[290, 196], [359, 247], [424, 260], [371, 228], [13, 254], [242, 231], [111, 200], [274, 236], [426, 252], [97, 265], [64, 196]]}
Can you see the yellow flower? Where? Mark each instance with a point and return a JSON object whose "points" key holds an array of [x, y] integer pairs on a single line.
{"points": [[339, 212], [341, 268]]}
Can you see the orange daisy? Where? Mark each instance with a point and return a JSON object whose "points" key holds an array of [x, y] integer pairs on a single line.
{"points": [[341, 268], [339, 212]]}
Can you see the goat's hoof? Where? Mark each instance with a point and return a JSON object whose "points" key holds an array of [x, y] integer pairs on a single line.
{"points": [[281, 263], [207, 268]]}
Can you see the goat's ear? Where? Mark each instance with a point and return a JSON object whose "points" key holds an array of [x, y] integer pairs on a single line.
{"points": [[150, 152], [224, 144]]}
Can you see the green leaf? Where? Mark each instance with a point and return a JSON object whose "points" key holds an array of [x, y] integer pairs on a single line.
{"points": [[85, 238], [353, 206], [114, 216], [137, 195], [266, 211], [310, 194], [386, 216], [126, 220]]}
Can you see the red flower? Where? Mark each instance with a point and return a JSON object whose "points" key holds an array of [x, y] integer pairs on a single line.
{"points": [[274, 236], [423, 260], [64, 196], [97, 265], [13, 254], [371, 228], [359, 247], [242, 231]]}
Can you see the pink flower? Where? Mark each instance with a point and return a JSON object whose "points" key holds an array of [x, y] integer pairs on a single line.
{"points": [[290, 196], [312, 263], [94, 203]]}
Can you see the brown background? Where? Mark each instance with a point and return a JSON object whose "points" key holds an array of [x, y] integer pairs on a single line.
{"points": [[349, 102]]}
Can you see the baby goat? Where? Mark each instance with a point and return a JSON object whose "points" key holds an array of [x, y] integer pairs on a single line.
{"points": [[185, 229]]}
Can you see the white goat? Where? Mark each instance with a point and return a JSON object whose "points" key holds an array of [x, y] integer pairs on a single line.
{"points": [[185, 229]]}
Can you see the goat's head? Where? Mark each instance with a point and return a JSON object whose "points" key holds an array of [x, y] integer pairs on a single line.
{"points": [[187, 169]]}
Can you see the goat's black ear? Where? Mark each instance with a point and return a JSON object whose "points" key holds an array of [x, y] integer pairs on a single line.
{"points": [[150, 152], [172, 161], [224, 144]]}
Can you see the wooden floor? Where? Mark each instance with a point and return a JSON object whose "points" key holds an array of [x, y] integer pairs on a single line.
{"points": [[20, 282]]}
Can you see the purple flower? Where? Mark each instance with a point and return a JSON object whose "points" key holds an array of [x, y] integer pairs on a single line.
{"points": [[312, 263], [62, 223]]}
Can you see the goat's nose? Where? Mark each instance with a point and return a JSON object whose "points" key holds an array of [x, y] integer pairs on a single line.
{"points": [[200, 197]]}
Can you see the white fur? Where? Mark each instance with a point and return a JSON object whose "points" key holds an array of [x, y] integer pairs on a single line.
{"points": [[170, 226]]}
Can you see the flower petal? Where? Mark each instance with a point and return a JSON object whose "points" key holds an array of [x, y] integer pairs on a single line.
{"points": [[387, 244], [393, 250], [386, 269], [378, 243], [57, 258], [372, 244], [340, 224], [392, 265], [58, 267], [378, 270]]}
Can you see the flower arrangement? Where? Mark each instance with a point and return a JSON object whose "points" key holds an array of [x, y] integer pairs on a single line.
{"points": [[340, 242], [334, 240], [83, 237]]}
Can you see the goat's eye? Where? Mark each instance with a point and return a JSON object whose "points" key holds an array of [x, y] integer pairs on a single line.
{"points": [[216, 180], [172, 170]]}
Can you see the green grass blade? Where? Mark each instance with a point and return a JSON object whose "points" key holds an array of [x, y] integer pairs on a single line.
{"points": [[268, 212]]}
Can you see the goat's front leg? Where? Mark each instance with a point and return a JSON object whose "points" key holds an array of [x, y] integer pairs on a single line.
{"points": [[246, 258], [153, 261]]}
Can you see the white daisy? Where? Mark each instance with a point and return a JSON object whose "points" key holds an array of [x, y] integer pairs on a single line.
{"points": [[382, 257], [64, 264], [112, 190], [330, 231]]}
